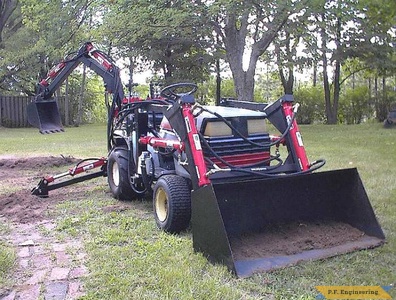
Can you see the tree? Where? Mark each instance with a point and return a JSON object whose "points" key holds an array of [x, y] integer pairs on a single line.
{"points": [[244, 25], [7, 9], [36, 35], [382, 62], [285, 49], [169, 35], [10, 26], [341, 30]]}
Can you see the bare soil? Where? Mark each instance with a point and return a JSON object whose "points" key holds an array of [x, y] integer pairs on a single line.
{"points": [[20, 206], [43, 268], [21, 175], [292, 238]]}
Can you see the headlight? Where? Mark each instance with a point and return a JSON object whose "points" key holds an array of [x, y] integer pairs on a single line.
{"points": [[214, 129]]}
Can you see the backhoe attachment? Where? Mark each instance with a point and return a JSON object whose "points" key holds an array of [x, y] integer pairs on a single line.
{"points": [[47, 183]]}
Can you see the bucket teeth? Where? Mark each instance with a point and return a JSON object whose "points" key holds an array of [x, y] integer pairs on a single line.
{"points": [[53, 130]]}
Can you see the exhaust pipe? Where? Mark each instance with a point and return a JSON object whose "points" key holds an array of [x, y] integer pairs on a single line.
{"points": [[265, 224], [45, 116]]}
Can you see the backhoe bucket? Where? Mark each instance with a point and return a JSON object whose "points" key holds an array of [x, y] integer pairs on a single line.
{"points": [[45, 116], [264, 224]]}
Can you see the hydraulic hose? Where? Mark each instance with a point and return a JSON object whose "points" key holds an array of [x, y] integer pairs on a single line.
{"points": [[131, 163], [148, 180], [246, 139], [313, 166], [204, 141]]}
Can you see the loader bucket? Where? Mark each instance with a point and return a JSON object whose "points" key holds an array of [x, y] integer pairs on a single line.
{"points": [[45, 116], [265, 224]]}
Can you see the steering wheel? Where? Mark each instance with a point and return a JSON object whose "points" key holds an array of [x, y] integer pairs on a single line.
{"points": [[170, 90]]}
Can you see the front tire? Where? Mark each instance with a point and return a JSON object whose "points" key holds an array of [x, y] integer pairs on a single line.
{"points": [[117, 174], [172, 203]]}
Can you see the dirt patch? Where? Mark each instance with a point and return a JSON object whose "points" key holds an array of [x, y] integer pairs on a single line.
{"points": [[35, 163], [21, 206], [287, 239]]}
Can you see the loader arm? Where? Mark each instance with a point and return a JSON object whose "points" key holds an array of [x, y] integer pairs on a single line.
{"points": [[43, 112]]}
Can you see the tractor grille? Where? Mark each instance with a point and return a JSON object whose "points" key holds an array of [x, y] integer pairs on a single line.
{"points": [[237, 151]]}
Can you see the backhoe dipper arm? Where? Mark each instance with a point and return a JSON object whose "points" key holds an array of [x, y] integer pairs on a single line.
{"points": [[94, 59]]}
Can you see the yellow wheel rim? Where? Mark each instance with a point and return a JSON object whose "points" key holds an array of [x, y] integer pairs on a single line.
{"points": [[161, 204], [115, 171]]}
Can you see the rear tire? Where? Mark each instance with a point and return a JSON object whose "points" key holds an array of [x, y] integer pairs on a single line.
{"points": [[117, 175], [172, 203]]}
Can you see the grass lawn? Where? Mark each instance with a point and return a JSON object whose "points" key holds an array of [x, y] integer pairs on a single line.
{"points": [[129, 258], [7, 257]]}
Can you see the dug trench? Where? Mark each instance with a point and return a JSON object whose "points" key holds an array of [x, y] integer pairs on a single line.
{"points": [[20, 175]]}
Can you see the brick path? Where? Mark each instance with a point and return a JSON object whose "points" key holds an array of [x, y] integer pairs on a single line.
{"points": [[46, 268]]}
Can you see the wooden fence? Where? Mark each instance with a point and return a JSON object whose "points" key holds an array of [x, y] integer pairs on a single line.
{"points": [[13, 111]]}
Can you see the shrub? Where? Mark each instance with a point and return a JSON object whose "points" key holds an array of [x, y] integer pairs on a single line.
{"points": [[355, 105], [311, 103]]}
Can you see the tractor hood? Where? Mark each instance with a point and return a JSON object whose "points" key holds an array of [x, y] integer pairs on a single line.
{"points": [[229, 113]]}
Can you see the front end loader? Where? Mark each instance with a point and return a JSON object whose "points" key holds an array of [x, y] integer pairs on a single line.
{"points": [[220, 171], [252, 210]]}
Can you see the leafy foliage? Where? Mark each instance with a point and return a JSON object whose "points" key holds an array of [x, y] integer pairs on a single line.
{"points": [[7, 257], [311, 104], [170, 34], [182, 40], [94, 108], [355, 105]]}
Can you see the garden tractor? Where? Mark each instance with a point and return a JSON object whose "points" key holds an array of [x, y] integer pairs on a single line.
{"points": [[390, 119], [245, 194]]}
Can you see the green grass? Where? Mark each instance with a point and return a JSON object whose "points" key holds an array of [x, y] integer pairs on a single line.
{"points": [[7, 256], [129, 258], [7, 260], [83, 141]]}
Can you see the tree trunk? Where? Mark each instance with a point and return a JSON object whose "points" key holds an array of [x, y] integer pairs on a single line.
{"points": [[218, 82], [370, 89], [244, 85], [326, 83], [385, 105], [331, 118], [332, 104], [235, 44], [376, 100], [336, 92], [7, 7], [288, 82], [131, 68], [168, 67], [353, 81], [234, 38], [315, 74]]}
